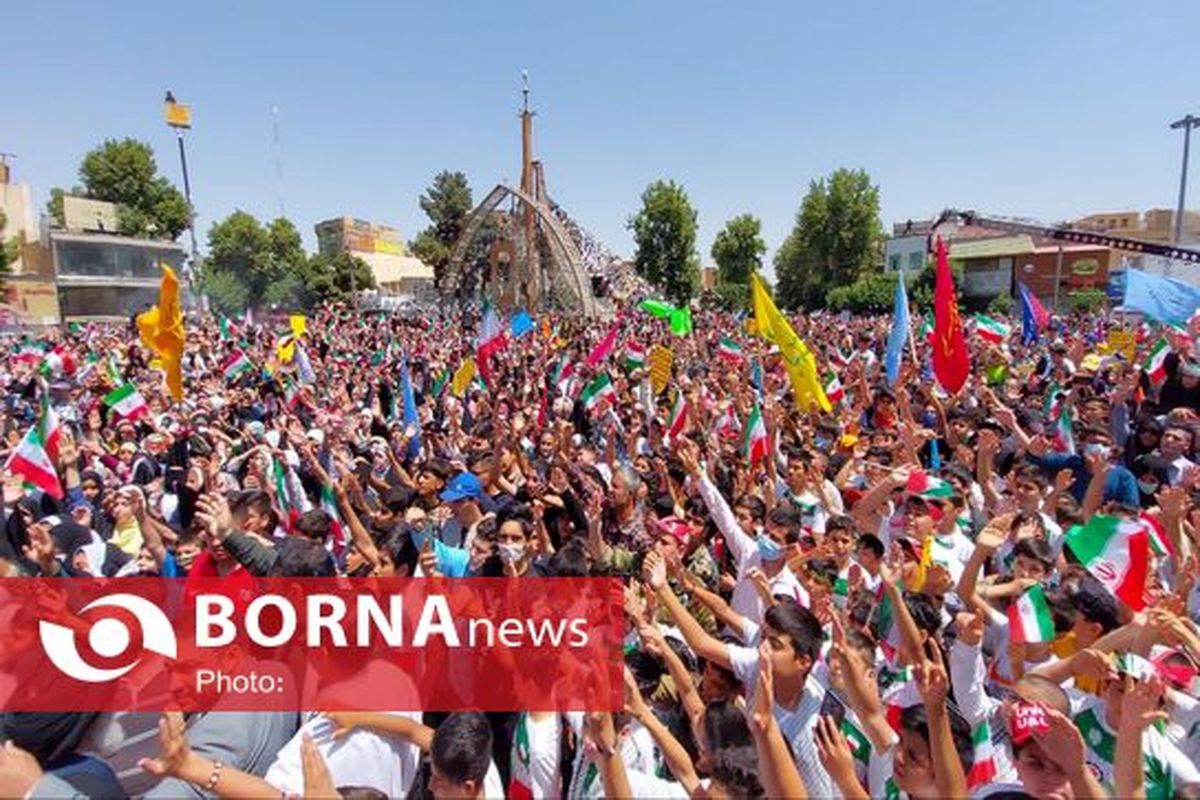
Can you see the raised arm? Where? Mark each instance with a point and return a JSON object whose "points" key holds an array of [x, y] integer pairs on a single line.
{"points": [[779, 775], [702, 643]]}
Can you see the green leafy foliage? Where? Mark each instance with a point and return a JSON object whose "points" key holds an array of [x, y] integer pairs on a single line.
{"points": [[1087, 300], [447, 203], [870, 294], [835, 240], [123, 171], [1001, 304], [664, 232], [738, 250]]}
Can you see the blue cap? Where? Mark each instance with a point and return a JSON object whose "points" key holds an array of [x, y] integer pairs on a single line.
{"points": [[463, 486]]}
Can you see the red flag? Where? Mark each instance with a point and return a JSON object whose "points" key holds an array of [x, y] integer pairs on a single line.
{"points": [[951, 362], [604, 349]]}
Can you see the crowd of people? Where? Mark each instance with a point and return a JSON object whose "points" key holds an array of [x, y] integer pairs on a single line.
{"points": [[891, 598]]}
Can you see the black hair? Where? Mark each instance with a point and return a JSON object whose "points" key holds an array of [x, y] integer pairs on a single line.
{"points": [[360, 793], [798, 624], [789, 519], [1037, 549], [401, 550], [257, 500], [440, 468], [725, 726], [737, 769], [915, 719], [302, 558], [647, 670], [1095, 604], [755, 505], [462, 747], [839, 522], [872, 543], [923, 612], [570, 561], [823, 570], [315, 525], [398, 499]]}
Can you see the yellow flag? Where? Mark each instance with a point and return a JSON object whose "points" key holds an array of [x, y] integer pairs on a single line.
{"points": [[799, 361], [285, 349], [161, 329], [923, 565], [463, 377], [299, 325], [659, 361]]}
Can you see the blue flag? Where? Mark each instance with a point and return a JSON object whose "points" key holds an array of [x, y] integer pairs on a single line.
{"points": [[1164, 299], [756, 378], [899, 334], [410, 409], [521, 324]]}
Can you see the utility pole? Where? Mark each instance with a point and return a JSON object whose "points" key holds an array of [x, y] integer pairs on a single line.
{"points": [[1187, 123]]}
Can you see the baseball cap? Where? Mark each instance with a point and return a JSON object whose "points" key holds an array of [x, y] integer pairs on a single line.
{"points": [[675, 527], [463, 486], [1026, 720]]}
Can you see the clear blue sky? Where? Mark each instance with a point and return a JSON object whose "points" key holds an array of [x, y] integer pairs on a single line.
{"points": [[1043, 109]]}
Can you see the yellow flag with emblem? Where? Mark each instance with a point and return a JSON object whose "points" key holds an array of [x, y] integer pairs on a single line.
{"points": [[161, 329], [299, 324], [798, 360], [463, 377]]}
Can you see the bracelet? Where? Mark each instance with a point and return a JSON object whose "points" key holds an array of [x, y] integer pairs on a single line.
{"points": [[214, 777]]}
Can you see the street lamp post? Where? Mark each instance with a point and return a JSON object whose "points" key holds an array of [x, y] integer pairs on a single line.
{"points": [[1187, 123], [179, 118]]}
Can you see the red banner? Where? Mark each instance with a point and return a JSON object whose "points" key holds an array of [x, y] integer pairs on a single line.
{"points": [[394, 644]]}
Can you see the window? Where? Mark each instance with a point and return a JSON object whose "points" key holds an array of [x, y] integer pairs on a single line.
{"points": [[894, 262], [916, 260]]}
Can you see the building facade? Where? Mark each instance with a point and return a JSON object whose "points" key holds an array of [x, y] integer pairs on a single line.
{"points": [[397, 273]]}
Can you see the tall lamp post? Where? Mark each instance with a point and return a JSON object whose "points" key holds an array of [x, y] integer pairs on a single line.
{"points": [[179, 117], [1187, 123]]}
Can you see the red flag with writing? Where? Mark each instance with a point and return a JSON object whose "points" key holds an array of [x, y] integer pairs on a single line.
{"points": [[951, 362]]}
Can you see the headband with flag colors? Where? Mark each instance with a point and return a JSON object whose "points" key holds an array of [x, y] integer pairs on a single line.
{"points": [[1116, 552], [798, 360], [922, 484]]}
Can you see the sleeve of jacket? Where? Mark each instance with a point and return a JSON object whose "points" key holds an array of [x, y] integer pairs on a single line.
{"points": [[250, 553]]}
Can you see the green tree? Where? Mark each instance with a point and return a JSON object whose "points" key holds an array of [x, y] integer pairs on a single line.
{"points": [[334, 279], [123, 171], [267, 260], [835, 240], [447, 202], [664, 231], [10, 251], [738, 249], [225, 291]]}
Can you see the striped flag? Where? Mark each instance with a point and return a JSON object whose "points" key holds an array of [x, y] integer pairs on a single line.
{"points": [[679, 416], [49, 427], [730, 350], [337, 539], [728, 424], [887, 631], [303, 365], [983, 766], [491, 340], [925, 332], [1160, 543], [1116, 552], [635, 356], [596, 392], [754, 437], [127, 401], [1064, 429], [833, 388], [604, 347], [563, 376], [236, 364], [923, 484], [31, 461], [991, 330], [1029, 617], [1156, 361]]}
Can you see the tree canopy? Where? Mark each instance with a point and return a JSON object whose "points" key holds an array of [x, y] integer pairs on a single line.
{"points": [[123, 171], [446, 202], [738, 249], [836, 239], [664, 231]]}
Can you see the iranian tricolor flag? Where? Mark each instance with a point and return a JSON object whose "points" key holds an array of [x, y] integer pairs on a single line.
{"points": [[491, 340], [49, 428], [596, 392], [923, 484], [1029, 618], [635, 356], [1156, 362], [337, 539], [563, 376], [679, 416], [236, 365], [127, 401], [833, 388], [754, 437], [31, 461], [730, 350], [1159, 542], [983, 767], [1063, 430], [728, 424], [925, 331], [991, 330], [1116, 552]]}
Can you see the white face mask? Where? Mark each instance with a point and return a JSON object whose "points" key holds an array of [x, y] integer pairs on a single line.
{"points": [[511, 553]]}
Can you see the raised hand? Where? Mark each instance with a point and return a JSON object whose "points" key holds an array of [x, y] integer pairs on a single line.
{"points": [[1062, 742], [970, 628], [318, 783], [933, 682], [761, 707], [654, 570], [1141, 706], [832, 749], [174, 750]]}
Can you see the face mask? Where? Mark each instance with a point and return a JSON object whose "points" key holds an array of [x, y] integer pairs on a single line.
{"points": [[1147, 487], [768, 549], [1097, 449], [822, 442], [511, 553]]}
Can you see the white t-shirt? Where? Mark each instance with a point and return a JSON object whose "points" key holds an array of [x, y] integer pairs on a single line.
{"points": [[1166, 768], [797, 724], [535, 754]]}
